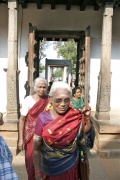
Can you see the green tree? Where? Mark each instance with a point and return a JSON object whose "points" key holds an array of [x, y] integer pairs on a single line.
{"points": [[43, 46], [67, 51], [42, 67], [58, 72]]}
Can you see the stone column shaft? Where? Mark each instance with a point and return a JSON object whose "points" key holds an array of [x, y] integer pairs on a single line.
{"points": [[12, 71], [104, 79], [49, 74], [64, 74]]}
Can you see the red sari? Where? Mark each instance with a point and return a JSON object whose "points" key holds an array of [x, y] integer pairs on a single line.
{"points": [[29, 132], [58, 134], [62, 131]]}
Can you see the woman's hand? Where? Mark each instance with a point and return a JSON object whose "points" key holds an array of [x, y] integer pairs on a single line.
{"points": [[86, 110], [21, 145]]}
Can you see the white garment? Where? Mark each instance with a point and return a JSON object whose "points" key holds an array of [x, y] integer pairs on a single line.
{"points": [[27, 104]]}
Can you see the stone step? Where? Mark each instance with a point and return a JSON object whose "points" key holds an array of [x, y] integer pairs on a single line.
{"points": [[108, 153], [13, 150], [9, 134], [11, 142], [11, 139], [108, 144]]}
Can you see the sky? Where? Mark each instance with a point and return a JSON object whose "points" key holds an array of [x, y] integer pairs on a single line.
{"points": [[50, 54]]}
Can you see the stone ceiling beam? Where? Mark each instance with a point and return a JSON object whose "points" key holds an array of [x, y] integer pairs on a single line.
{"points": [[39, 4], [53, 4], [68, 5], [83, 4]]}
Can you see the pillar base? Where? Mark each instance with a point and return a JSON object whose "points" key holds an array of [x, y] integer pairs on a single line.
{"points": [[107, 139], [102, 115], [12, 117], [10, 133]]}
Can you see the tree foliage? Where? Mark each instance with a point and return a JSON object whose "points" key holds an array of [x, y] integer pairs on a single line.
{"points": [[58, 72], [67, 51], [41, 68], [43, 46]]}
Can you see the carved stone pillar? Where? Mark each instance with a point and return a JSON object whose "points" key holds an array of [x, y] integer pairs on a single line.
{"points": [[104, 79], [12, 71]]}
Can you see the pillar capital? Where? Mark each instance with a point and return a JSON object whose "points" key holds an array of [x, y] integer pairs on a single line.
{"points": [[12, 4], [108, 9]]}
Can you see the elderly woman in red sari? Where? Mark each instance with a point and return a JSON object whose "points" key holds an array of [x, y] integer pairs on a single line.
{"points": [[55, 149], [32, 106]]}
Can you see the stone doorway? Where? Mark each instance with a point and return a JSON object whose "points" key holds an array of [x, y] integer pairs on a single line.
{"points": [[82, 60]]}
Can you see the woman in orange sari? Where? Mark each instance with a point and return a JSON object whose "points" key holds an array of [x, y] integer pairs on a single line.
{"points": [[32, 106], [55, 148]]}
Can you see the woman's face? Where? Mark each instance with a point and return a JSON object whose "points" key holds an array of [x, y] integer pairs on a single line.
{"points": [[61, 101], [77, 93], [40, 88]]}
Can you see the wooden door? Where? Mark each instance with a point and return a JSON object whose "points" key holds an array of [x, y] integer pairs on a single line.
{"points": [[33, 57], [84, 65]]}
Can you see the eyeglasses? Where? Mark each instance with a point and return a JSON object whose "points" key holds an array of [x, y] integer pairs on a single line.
{"points": [[59, 100]]}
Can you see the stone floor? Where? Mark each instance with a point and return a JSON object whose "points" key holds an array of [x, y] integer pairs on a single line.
{"points": [[100, 169]]}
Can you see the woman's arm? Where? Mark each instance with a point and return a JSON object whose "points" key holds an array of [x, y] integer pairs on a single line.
{"points": [[87, 111], [21, 132], [37, 143], [87, 126]]}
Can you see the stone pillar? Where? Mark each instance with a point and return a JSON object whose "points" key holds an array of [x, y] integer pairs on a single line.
{"points": [[104, 79], [49, 74], [12, 71], [64, 73]]}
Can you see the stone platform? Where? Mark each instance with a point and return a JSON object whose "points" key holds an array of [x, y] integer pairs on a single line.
{"points": [[9, 131], [107, 141]]}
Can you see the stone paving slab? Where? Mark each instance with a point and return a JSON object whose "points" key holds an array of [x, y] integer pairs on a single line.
{"points": [[19, 166], [100, 168]]}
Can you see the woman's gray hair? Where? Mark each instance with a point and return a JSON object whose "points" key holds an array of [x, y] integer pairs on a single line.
{"points": [[59, 85], [37, 80]]}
